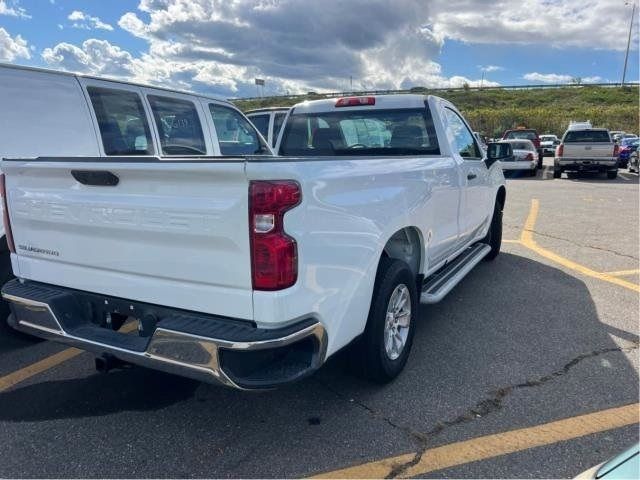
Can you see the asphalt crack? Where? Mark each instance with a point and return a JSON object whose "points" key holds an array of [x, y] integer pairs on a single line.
{"points": [[577, 244], [494, 402]]}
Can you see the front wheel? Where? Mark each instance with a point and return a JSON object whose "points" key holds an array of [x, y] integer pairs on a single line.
{"points": [[494, 235], [382, 351]]}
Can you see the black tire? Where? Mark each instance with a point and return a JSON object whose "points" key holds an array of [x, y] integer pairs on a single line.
{"points": [[611, 174], [6, 274], [533, 172], [557, 173], [369, 355], [494, 235], [540, 159]]}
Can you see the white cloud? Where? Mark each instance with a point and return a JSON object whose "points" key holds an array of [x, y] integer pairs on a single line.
{"points": [[14, 11], [87, 22], [490, 68], [547, 77], [594, 79], [560, 23], [13, 48]]}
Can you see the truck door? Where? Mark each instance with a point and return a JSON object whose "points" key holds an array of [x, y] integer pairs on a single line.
{"points": [[474, 205]]}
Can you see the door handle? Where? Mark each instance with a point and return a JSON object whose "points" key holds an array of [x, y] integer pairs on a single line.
{"points": [[471, 176]]}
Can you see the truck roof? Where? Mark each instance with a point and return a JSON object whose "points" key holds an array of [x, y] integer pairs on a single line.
{"points": [[399, 100], [106, 79]]}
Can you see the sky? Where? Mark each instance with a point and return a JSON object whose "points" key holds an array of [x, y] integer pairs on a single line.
{"points": [[220, 47]]}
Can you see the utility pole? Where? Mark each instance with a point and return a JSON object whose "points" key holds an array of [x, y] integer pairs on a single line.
{"points": [[626, 57], [482, 80], [351, 81]]}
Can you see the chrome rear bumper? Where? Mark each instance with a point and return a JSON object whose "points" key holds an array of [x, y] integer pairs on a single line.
{"points": [[183, 343]]}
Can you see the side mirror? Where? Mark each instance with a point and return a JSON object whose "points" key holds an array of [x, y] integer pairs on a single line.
{"points": [[498, 151]]}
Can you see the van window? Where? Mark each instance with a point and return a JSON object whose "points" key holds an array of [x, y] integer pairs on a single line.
{"points": [[236, 135], [122, 121], [261, 122], [278, 120], [178, 126]]}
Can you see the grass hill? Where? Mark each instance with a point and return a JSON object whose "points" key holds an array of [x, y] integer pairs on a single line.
{"points": [[491, 111]]}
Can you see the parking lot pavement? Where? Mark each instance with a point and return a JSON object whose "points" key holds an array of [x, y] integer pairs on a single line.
{"points": [[545, 333]]}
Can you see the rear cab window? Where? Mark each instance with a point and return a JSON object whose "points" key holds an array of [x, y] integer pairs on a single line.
{"points": [[122, 121], [236, 135], [360, 132], [517, 134], [587, 136], [178, 126]]}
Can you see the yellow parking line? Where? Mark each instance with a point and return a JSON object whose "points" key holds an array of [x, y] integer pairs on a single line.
{"points": [[622, 273], [45, 364], [490, 446], [526, 238], [510, 241], [29, 371]]}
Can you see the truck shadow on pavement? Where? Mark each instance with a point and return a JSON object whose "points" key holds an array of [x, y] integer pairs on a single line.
{"points": [[512, 325], [624, 177]]}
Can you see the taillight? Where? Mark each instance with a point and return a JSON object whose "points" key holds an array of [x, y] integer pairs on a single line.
{"points": [[560, 150], [5, 215], [530, 157], [355, 101], [274, 254], [616, 150]]}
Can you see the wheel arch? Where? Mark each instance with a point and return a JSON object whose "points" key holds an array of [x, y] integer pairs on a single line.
{"points": [[406, 244]]}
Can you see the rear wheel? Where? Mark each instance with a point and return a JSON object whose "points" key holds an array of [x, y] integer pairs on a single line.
{"points": [[382, 351], [6, 274], [494, 235], [533, 172], [557, 173], [611, 174]]}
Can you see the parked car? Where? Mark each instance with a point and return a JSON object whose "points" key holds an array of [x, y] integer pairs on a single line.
{"points": [[633, 163], [621, 467], [627, 147], [548, 143], [586, 149], [616, 135], [268, 121], [240, 270], [526, 134], [524, 157]]}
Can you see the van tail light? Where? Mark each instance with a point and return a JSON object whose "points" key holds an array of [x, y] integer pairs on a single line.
{"points": [[355, 101], [560, 150], [616, 150], [5, 215], [274, 254]]}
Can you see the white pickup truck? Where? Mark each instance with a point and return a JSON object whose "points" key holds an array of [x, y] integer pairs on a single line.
{"points": [[238, 268], [584, 148]]}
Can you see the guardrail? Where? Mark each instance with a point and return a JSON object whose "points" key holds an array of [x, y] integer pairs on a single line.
{"points": [[423, 90]]}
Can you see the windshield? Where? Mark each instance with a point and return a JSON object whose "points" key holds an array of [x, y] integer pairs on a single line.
{"points": [[587, 136], [360, 132]]}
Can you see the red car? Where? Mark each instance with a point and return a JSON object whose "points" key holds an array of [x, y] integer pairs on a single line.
{"points": [[528, 134]]}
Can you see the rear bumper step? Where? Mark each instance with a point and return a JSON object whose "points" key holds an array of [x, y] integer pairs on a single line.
{"points": [[437, 286], [208, 348]]}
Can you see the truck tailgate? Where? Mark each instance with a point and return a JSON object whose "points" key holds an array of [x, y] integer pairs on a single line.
{"points": [[588, 150], [169, 233]]}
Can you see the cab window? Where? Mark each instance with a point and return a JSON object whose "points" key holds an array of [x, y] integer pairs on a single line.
{"points": [[122, 121], [178, 126], [460, 136], [236, 135]]}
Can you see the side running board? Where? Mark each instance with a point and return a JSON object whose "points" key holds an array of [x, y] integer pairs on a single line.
{"points": [[438, 285]]}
